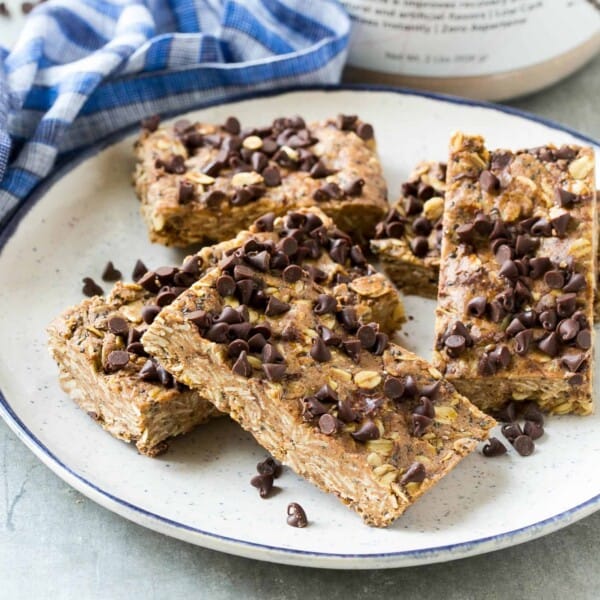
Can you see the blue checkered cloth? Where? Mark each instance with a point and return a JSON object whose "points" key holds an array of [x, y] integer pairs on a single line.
{"points": [[82, 69]]}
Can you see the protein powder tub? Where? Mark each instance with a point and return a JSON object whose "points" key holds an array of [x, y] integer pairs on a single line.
{"points": [[490, 49]]}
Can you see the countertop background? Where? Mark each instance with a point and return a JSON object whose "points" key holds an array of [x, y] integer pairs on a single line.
{"points": [[55, 543]]}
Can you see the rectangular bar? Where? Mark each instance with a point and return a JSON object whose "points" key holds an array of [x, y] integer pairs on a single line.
{"points": [[201, 183], [317, 384], [129, 400], [517, 281], [408, 241]]}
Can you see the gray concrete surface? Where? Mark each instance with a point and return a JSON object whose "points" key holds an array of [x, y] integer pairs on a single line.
{"points": [[55, 543]]}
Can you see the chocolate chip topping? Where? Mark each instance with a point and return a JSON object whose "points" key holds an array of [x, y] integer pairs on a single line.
{"points": [[118, 326], [524, 445], [151, 123], [419, 246], [367, 431], [110, 273], [269, 466], [493, 448], [241, 366], [415, 473], [328, 424], [296, 517], [274, 371], [325, 304], [116, 360], [319, 350], [533, 430], [91, 288], [489, 182], [264, 484]]}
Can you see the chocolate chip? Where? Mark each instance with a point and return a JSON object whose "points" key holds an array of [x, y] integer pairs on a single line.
{"points": [[523, 342], [229, 315], [567, 329], [499, 230], [532, 412], [346, 122], [345, 411], [312, 408], [274, 371], [339, 251], [500, 356], [564, 198], [425, 408], [466, 233], [214, 198], [241, 366], [538, 266], [420, 423], [414, 474], [573, 361], [365, 131], [511, 431], [149, 313], [566, 304], [509, 270], [118, 326], [199, 318], [110, 273], [381, 343], [150, 123], [276, 307], [554, 279], [489, 182], [561, 223], [549, 345], [328, 424], [525, 245], [319, 170], [419, 246], [165, 297], [271, 355], [367, 334], [148, 372], [548, 320], [493, 448], [496, 311], [218, 333], [584, 339], [514, 327], [413, 206], [296, 517], [533, 430], [367, 431], [483, 225], [260, 260], [565, 152], [319, 350], [524, 445], [91, 288], [232, 126], [486, 366], [139, 269], [575, 283], [292, 273], [325, 304], [476, 306], [541, 228], [455, 344], [266, 222], [116, 360], [352, 348], [393, 388], [226, 285], [264, 484], [269, 466], [354, 188]]}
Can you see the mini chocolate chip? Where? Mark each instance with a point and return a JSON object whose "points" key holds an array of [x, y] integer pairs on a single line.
{"points": [[509, 270], [425, 408], [549, 345], [276, 307], [319, 170], [260, 260], [339, 251], [414, 474], [565, 152], [326, 394], [352, 348], [259, 161], [241, 366], [165, 298], [354, 188], [511, 431], [271, 176], [357, 257], [110, 273], [567, 329], [292, 273], [229, 315], [266, 222], [476, 306], [455, 344], [419, 246], [523, 341], [139, 269], [325, 304], [381, 343], [288, 245], [525, 245], [486, 366], [367, 431], [425, 191], [523, 445], [236, 347], [218, 333], [200, 318], [573, 361], [118, 326], [328, 424], [541, 228], [493, 448], [346, 122], [503, 253], [584, 339], [239, 331], [116, 360], [264, 484], [564, 198], [348, 319], [533, 430], [232, 126], [186, 192], [393, 388], [214, 198], [149, 282], [296, 517], [514, 327], [270, 354], [91, 288], [575, 283], [148, 372], [489, 182], [312, 408], [149, 313], [538, 266], [548, 320], [420, 423], [501, 356], [319, 350], [561, 223], [274, 371], [508, 413], [226, 285], [269, 466], [554, 279], [367, 336], [499, 230], [150, 123], [483, 225], [566, 304], [345, 411], [242, 272]]}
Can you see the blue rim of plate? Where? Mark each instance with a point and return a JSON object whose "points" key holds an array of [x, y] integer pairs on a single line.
{"points": [[234, 545]]}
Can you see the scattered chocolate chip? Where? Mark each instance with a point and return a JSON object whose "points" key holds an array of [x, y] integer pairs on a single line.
{"points": [[511, 431], [393, 388], [276, 307], [346, 122], [365, 131], [414, 474], [118, 326], [91, 288], [367, 431], [509, 270], [226, 285], [296, 517], [561, 223], [455, 344], [232, 126], [573, 361], [550, 344], [567, 330], [325, 304], [523, 445], [541, 228], [274, 371], [348, 319], [554, 279], [523, 342], [566, 304], [476, 306], [110, 273], [564, 198], [466, 233], [367, 336], [266, 222], [148, 372], [235, 348], [292, 273], [165, 298], [420, 424], [533, 430], [575, 283], [199, 318], [269, 466], [489, 182], [584, 339], [264, 484], [149, 313], [508, 413], [116, 360], [538, 266], [425, 191], [493, 448], [319, 350], [514, 327], [241, 366], [352, 348], [413, 206], [425, 408], [328, 424], [419, 246], [354, 188], [381, 343], [218, 333], [483, 225]]}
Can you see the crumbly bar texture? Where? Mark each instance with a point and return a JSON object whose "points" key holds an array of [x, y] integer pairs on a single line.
{"points": [[115, 382], [320, 389], [517, 280], [135, 399], [408, 240], [201, 183]]}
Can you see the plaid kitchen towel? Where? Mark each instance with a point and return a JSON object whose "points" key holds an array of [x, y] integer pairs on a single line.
{"points": [[84, 68]]}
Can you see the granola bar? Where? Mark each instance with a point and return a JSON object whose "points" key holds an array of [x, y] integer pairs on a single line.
{"points": [[321, 389], [204, 183], [518, 272], [407, 241], [136, 399]]}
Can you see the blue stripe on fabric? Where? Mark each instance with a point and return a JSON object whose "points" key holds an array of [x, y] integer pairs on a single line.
{"points": [[238, 18], [187, 16], [77, 30], [19, 179], [157, 56], [296, 20]]}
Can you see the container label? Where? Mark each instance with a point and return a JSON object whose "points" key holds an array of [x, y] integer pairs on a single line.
{"points": [[450, 38]]}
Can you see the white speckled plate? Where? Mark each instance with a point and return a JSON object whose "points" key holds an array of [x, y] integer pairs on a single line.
{"points": [[199, 491]]}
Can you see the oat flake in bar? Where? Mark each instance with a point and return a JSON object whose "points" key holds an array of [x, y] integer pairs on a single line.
{"points": [[515, 304], [319, 388]]}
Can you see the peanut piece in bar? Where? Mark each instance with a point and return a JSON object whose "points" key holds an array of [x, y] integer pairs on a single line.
{"points": [[518, 272]]}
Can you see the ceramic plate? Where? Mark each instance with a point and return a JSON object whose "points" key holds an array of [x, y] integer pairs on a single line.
{"points": [[199, 491]]}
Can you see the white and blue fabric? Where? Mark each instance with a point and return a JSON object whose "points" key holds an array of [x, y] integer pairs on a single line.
{"points": [[82, 69]]}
